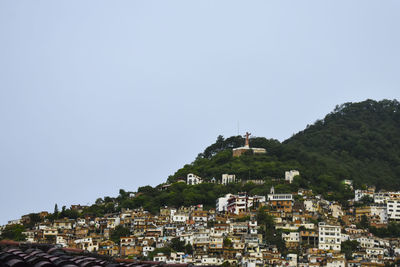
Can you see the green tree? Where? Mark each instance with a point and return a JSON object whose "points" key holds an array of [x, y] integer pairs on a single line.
{"points": [[68, 213], [165, 250], [188, 249], [366, 200], [108, 200], [177, 244], [364, 222], [123, 194], [13, 232], [118, 232], [227, 243], [348, 247], [226, 264], [270, 234]]}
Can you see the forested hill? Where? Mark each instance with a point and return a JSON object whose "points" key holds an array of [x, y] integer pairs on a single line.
{"points": [[358, 141]]}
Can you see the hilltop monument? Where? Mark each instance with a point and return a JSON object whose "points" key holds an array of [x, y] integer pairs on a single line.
{"points": [[240, 150]]}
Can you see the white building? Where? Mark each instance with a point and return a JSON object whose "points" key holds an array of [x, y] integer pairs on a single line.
{"points": [[253, 227], [160, 257], [187, 237], [61, 240], [179, 258], [113, 222], [216, 241], [18, 221], [336, 210], [375, 252], [47, 232], [311, 205], [180, 218], [242, 202], [193, 179], [127, 241], [201, 238], [289, 175], [81, 222], [228, 178], [393, 209], [221, 204], [366, 242], [147, 250], [329, 237], [359, 194], [292, 259], [208, 260], [279, 197], [87, 244], [379, 212], [292, 237], [381, 197], [336, 261]]}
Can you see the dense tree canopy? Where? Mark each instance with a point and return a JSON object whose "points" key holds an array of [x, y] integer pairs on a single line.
{"points": [[118, 232], [358, 141], [13, 232]]}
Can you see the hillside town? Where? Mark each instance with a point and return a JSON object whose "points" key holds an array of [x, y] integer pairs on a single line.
{"points": [[311, 231]]}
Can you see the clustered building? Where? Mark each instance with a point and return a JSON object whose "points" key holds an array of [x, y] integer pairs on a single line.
{"points": [[312, 228]]}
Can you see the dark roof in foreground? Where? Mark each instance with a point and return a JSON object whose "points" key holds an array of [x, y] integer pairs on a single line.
{"points": [[22, 254]]}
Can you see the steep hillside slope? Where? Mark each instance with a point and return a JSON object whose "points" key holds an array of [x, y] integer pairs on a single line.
{"points": [[359, 141]]}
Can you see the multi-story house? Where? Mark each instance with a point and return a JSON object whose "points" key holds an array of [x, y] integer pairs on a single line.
{"points": [[128, 241], [252, 226], [201, 239], [281, 202], [289, 175], [193, 179], [50, 233], [239, 228], [222, 203], [329, 237], [241, 203], [87, 244], [200, 217], [64, 224], [311, 205], [359, 193], [216, 241], [378, 214], [228, 178], [291, 239], [309, 238], [393, 209]]}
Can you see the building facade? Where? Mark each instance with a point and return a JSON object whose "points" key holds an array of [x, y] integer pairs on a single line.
{"points": [[329, 237]]}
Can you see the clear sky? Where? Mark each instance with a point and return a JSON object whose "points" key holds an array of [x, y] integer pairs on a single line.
{"points": [[101, 95]]}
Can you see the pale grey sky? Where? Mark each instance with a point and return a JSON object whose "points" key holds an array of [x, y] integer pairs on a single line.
{"points": [[101, 95]]}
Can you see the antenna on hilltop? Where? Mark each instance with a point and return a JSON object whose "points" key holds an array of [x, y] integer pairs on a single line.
{"points": [[238, 133]]}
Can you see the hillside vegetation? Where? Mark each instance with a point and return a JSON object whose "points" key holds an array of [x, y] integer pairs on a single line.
{"points": [[357, 141]]}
